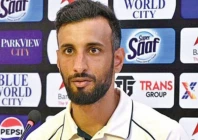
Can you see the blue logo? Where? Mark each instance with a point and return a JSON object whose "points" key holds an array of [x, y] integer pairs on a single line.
{"points": [[149, 7], [189, 8], [21, 10], [144, 9], [12, 127], [148, 45]]}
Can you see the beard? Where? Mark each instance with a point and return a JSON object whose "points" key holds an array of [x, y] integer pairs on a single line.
{"points": [[82, 97]]}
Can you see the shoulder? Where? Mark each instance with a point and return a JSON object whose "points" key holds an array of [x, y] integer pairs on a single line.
{"points": [[48, 128], [145, 113], [153, 122]]}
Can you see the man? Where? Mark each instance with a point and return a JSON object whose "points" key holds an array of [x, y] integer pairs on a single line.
{"points": [[89, 55]]}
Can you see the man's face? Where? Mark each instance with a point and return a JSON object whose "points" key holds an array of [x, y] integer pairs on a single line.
{"points": [[85, 59]]}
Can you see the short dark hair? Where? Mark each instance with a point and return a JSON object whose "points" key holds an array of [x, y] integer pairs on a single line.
{"points": [[86, 9]]}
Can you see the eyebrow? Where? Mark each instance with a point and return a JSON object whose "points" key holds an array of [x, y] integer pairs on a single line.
{"points": [[88, 44], [95, 44], [66, 45]]}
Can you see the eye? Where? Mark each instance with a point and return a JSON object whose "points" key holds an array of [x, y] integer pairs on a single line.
{"points": [[94, 50], [69, 50]]}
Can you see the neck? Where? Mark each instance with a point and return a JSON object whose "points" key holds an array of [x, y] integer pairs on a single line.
{"points": [[92, 118]]}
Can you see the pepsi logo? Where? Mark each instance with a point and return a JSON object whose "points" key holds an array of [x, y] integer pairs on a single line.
{"points": [[11, 127]]}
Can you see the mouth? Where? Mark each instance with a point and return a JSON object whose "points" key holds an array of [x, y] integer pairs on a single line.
{"points": [[81, 82]]}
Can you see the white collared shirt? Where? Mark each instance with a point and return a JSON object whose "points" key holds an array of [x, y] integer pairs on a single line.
{"points": [[130, 121]]}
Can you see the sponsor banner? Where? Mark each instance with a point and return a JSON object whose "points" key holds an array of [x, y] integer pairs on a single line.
{"points": [[153, 89], [21, 47], [189, 45], [56, 92], [55, 5], [144, 9], [52, 46], [188, 90], [12, 127], [189, 9], [151, 46], [21, 10], [190, 125], [20, 89]]}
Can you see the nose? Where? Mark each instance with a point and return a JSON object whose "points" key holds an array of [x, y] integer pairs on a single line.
{"points": [[80, 63]]}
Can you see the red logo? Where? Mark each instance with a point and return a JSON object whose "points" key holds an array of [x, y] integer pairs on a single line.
{"points": [[196, 42], [11, 127], [156, 85], [61, 86], [196, 130], [70, 1]]}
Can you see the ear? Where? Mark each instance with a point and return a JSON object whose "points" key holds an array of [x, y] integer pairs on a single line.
{"points": [[57, 53], [118, 59]]}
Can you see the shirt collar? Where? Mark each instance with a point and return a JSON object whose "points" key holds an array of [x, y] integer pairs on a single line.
{"points": [[118, 125], [70, 127], [120, 122]]}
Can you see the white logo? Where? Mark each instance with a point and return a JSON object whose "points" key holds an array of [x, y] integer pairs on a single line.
{"points": [[144, 9], [188, 90], [153, 89], [189, 45], [56, 95], [190, 125], [20, 89], [55, 5], [52, 46]]}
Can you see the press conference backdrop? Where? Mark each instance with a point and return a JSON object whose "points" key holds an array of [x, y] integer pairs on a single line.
{"points": [[160, 38]]}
